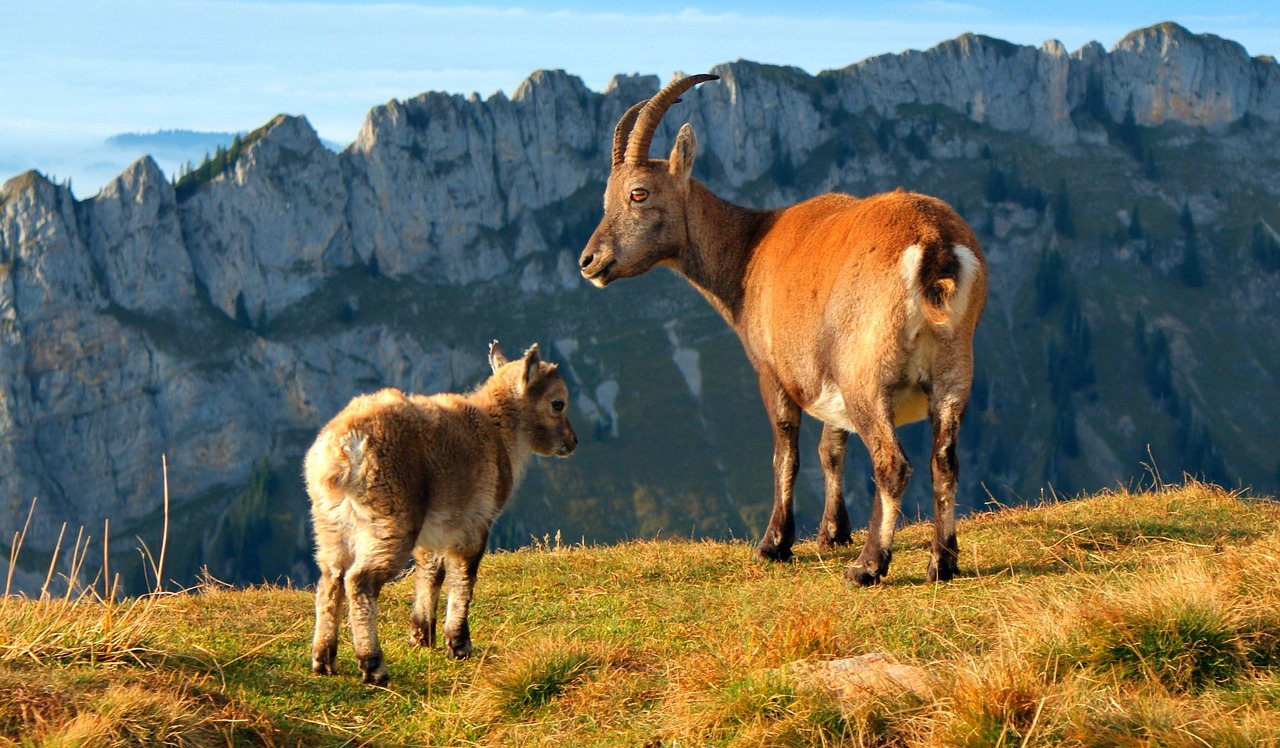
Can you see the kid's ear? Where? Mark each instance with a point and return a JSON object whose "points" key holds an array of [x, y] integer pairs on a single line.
{"points": [[681, 161], [532, 363], [497, 359]]}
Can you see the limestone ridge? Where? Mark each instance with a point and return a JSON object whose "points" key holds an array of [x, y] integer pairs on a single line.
{"points": [[150, 320]]}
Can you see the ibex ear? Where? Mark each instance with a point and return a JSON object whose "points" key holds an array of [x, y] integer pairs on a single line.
{"points": [[532, 363], [497, 359], [681, 162]]}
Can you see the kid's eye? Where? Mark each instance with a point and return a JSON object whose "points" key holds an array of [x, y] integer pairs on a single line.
{"points": [[639, 195], [557, 405]]}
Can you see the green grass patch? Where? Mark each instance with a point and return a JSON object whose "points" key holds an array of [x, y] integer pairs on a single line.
{"points": [[1143, 618]]}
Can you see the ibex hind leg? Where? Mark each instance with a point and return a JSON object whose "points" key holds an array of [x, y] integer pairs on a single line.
{"points": [[428, 577], [945, 414], [363, 587], [891, 473], [375, 564], [324, 645]]}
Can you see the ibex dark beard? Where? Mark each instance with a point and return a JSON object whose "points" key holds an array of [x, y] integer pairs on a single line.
{"points": [[859, 311]]}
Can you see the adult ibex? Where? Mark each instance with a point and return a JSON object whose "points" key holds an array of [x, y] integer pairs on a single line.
{"points": [[861, 312]]}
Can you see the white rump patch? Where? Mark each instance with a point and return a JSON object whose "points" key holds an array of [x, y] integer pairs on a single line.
{"points": [[964, 283], [353, 443], [909, 265], [909, 269], [350, 515]]}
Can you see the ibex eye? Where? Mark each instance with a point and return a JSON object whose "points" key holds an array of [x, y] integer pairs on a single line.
{"points": [[557, 405], [639, 195]]}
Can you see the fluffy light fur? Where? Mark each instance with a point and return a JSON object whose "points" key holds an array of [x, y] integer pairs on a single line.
{"points": [[396, 475]]}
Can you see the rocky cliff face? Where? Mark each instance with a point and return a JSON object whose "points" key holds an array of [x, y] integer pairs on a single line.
{"points": [[220, 321]]}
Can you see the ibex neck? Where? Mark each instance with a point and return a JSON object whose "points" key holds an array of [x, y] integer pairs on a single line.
{"points": [[722, 238], [496, 398]]}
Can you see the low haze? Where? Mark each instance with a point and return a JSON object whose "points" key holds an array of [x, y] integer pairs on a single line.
{"points": [[75, 73]]}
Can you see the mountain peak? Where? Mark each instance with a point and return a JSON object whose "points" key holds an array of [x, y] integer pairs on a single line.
{"points": [[27, 180], [1167, 37]]}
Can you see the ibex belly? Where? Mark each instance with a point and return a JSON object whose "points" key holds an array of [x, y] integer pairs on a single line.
{"points": [[910, 404], [459, 522]]}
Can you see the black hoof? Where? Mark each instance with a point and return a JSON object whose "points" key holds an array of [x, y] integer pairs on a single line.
{"points": [[944, 572], [458, 650], [325, 663], [421, 636], [320, 667], [375, 671], [860, 575], [773, 551], [834, 540]]}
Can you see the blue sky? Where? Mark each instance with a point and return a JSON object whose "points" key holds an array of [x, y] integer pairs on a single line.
{"points": [[73, 72]]}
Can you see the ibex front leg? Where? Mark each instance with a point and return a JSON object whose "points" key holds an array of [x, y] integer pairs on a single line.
{"points": [[784, 416]]}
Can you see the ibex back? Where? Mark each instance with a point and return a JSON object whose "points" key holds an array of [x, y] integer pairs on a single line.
{"points": [[861, 312]]}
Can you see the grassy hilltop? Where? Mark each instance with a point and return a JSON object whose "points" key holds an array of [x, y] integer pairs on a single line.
{"points": [[1123, 618]]}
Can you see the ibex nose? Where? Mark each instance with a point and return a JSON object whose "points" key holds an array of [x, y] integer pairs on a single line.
{"points": [[570, 443], [595, 265]]}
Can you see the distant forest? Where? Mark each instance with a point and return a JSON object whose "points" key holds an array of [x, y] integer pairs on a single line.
{"points": [[171, 139]]}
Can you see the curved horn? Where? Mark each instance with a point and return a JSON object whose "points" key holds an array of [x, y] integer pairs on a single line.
{"points": [[623, 131], [651, 115]]}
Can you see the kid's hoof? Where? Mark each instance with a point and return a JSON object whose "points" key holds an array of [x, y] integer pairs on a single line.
{"points": [[458, 650], [326, 662], [320, 667], [375, 671], [421, 636]]}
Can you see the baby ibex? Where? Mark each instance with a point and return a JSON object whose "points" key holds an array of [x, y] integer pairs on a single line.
{"points": [[394, 475], [861, 312]]}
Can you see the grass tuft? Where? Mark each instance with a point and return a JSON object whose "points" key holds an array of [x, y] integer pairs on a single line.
{"points": [[1183, 646], [1182, 631], [521, 686], [996, 705]]}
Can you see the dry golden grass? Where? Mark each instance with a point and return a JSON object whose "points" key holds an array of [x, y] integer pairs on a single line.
{"points": [[1123, 618]]}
